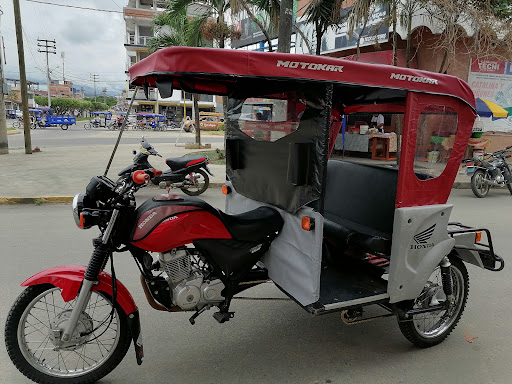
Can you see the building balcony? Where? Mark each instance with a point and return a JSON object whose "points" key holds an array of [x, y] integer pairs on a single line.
{"points": [[134, 40]]}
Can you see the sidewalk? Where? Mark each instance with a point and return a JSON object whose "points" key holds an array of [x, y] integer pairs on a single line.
{"points": [[56, 174]]}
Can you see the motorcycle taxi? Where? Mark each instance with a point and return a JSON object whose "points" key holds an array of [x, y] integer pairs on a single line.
{"points": [[334, 235]]}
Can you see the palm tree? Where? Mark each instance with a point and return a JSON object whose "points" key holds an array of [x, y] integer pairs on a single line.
{"points": [[323, 14], [177, 29]]}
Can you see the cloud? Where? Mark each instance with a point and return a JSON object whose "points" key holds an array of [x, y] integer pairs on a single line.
{"points": [[92, 41]]}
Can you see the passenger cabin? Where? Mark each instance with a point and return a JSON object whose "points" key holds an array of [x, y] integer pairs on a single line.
{"points": [[293, 128]]}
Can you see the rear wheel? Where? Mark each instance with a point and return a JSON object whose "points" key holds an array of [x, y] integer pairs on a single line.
{"points": [[64, 127], [192, 129], [479, 186], [429, 329], [32, 331], [196, 183]]}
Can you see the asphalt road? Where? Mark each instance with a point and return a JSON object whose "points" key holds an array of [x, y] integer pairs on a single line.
{"points": [[76, 135], [276, 341]]}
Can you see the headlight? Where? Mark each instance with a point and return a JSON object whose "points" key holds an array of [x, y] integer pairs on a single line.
{"points": [[78, 205]]}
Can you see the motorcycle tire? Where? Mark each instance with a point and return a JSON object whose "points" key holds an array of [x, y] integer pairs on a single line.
{"points": [[80, 367], [87, 126], [479, 188], [64, 127], [200, 187], [16, 124], [431, 328]]}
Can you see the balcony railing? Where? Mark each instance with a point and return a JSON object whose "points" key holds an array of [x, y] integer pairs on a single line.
{"points": [[142, 40]]}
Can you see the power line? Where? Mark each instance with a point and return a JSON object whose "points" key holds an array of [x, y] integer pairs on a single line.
{"points": [[74, 6]]}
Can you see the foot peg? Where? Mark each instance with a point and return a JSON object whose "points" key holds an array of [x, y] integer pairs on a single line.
{"points": [[222, 317]]}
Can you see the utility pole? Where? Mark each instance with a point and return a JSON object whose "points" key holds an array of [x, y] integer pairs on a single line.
{"points": [[95, 78], [50, 47], [285, 26], [4, 143], [23, 77], [63, 77], [104, 90]]}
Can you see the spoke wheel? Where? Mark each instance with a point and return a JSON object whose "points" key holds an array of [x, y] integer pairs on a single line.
{"points": [[478, 183], [33, 343], [196, 183], [87, 126], [431, 328]]}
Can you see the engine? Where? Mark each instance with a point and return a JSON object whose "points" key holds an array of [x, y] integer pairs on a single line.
{"points": [[189, 289]]}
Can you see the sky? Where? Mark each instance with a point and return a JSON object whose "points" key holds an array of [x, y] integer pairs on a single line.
{"points": [[92, 42]]}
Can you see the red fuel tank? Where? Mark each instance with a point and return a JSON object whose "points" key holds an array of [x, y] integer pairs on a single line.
{"points": [[169, 221]]}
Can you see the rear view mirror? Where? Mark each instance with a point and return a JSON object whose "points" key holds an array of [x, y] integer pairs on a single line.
{"points": [[165, 88]]}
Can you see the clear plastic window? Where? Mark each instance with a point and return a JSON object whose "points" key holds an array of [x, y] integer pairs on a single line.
{"points": [[437, 127], [269, 119]]}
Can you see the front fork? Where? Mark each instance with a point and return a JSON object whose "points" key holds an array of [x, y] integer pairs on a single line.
{"points": [[446, 277], [96, 264]]}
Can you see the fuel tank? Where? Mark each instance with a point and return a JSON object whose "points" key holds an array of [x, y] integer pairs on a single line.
{"points": [[169, 221]]}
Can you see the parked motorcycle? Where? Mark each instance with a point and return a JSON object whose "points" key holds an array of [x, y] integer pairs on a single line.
{"points": [[491, 171], [90, 335], [189, 173]]}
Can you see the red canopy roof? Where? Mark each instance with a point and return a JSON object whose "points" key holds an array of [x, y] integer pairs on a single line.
{"points": [[226, 65]]}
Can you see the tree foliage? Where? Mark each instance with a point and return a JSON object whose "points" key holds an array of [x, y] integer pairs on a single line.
{"points": [[65, 106], [323, 14], [109, 101]]}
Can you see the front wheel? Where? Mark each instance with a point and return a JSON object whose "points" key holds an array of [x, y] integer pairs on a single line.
{"points": [[479, 186], [429, 329], [196, 183], [33, 343], [16, 124], [87, 126]]}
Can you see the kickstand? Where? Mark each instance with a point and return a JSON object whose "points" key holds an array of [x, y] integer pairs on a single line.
{"points": [[195, 315]]}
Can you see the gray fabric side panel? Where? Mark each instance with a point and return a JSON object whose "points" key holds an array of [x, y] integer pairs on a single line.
{"points": [[417, 249], [295, 256]]}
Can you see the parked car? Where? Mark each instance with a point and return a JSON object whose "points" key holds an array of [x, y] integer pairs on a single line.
{"points": [[208, 121]]}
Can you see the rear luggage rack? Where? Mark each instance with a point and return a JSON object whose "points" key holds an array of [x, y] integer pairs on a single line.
{"points": [[486, 251]]}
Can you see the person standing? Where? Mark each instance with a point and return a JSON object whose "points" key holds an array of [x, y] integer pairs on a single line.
{"points": [[378, 122]]}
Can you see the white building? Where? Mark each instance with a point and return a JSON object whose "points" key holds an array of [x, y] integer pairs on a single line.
{"points": [[138, 15]]}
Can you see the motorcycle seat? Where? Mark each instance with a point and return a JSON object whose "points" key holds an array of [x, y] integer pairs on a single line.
{"points": [[177, 163], [254, 225]]}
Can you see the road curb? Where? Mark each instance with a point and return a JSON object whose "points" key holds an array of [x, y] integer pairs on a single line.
{"points": [[67, 199], [59, 199], [36, 200], [462, 185]]}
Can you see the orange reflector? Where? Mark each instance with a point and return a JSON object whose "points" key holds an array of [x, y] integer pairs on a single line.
{"points": [[308, 223], [478, 237], [82, 221], [226, 190]]}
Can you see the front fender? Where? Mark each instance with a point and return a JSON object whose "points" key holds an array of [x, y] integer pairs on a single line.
{"points": [[69, 279]]}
